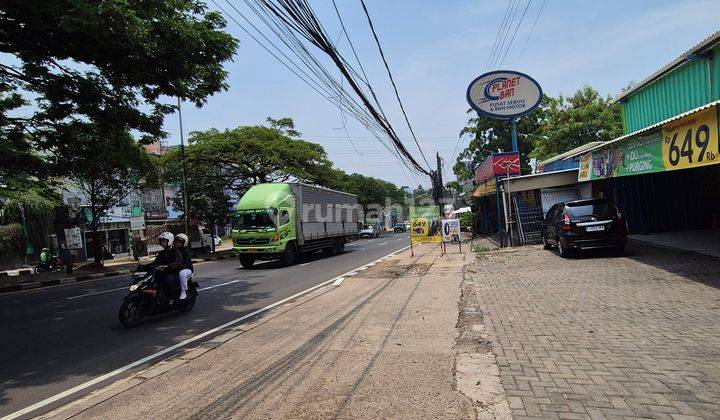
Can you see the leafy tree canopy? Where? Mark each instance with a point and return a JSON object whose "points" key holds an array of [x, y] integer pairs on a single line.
{"points": [[556, 126], [573, 121], [104, 170], [109, 63]]}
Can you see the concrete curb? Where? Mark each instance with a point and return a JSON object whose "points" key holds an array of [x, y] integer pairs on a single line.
{"points": [[61, 280]]}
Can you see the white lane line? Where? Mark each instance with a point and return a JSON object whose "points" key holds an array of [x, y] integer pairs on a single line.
{"points": [[218, 285], [383, 243], [97, 293], [118, 371], [304, 264], [125, 287], [338, 281]]}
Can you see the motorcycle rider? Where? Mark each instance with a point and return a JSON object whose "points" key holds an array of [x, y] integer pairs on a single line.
{"points": [[168, 261], [45, 259], [181, 243]]}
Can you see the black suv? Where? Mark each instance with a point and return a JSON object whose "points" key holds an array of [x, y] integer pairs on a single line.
{"points": [[584, 224]]}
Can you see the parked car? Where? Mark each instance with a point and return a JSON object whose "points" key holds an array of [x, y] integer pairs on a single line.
{"points": [[584, 224], [370, 231], [399, 228]]}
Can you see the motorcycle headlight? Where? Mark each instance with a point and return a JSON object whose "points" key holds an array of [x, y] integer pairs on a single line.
{"points": [[134, 287]]}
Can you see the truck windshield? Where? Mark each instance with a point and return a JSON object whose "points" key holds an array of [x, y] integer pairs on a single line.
{"points": [[255, 219]]}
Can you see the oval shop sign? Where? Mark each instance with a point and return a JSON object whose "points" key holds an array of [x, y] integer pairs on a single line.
{"points": [[504, 94]]}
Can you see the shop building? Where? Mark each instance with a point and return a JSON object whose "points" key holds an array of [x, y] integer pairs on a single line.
{"points": [[663, 172]]}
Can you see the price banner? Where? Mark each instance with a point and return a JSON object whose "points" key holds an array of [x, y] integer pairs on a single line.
{"points": [[451, 230], [685, 143], [425, 224], [691, 141]]}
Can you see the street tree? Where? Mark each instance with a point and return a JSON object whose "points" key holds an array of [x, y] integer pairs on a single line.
{"points": [[26, 219], [573, 121], [256, 154], [490, 135], [21, 167], [285, 126], [219, 162], [103, 171], [105, 66]]}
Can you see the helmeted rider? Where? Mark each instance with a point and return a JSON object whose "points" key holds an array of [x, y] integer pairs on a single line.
{"points": [[45, 259], [186, 270], [169, 259]]}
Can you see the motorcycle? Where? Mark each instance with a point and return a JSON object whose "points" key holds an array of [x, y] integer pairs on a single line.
{"points": [[53, 264], [147, 297]]}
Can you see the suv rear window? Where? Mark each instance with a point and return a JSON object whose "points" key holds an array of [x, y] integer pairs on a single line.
{"points": [[599, 209]]}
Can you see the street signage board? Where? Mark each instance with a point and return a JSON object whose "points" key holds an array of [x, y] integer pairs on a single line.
{"points": [[137, 223], [451, 230], [504, 94], [73, 238], [498, 165], [424, 224], [687, 142]]}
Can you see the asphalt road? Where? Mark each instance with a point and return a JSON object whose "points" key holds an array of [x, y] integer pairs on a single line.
{"points": [[58, 337]]}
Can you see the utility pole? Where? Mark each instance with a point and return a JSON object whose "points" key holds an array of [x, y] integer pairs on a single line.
{"points": [[184, 175], [437, 181]]}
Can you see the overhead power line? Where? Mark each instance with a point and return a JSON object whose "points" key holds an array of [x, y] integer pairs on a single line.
{"points": [[497, 36], [532, 29], [527, 6], [298, 31], [392, 80]]}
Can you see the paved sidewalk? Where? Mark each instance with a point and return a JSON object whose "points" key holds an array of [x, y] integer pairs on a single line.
{"points": [[603, 337], [379, 345]]}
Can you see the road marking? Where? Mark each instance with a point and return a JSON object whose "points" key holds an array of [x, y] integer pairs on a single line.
{"points": [[97, 293], [118, 371], [218, 285], [125, 287], [383, 243], [304, 264], [338, 281]]}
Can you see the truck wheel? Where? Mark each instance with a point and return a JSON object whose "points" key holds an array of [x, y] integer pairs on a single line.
{"points": [[247, 262], [287, 258], [331, 250]]}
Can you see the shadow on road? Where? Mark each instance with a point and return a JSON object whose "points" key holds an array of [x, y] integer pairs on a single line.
{"points": [[65, 342]]}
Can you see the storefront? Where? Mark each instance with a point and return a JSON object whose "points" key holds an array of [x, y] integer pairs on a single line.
{"points": [[664, 177], [114, 236], [664, 173], [526, 199], [487, 202]]}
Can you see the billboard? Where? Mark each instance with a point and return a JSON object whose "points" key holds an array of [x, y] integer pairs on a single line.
{"points": [[504, 94], [498, 165], [424, 224], [687, 142], [451, 230]]}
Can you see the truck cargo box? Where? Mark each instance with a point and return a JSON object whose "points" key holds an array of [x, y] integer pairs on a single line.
{"points": [[324, 213]]}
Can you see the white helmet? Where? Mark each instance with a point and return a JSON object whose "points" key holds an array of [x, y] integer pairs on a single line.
{"points": [[167, 235], [183, 237]]}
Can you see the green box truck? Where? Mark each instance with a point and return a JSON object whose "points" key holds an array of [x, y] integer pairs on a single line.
{"points": [[283, 220]]}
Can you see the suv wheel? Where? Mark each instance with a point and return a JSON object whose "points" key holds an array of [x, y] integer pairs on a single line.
{"points": [[545, 242], [564, 252]]}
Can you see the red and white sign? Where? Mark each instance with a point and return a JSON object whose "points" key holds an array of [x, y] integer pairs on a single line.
{"points": [[504, 94], [498, 165]]}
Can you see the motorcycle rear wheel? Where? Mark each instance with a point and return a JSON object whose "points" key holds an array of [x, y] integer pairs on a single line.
{"points": [[189, 302], [131, 312]]}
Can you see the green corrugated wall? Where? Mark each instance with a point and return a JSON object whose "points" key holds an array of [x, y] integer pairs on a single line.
{"points": [[681, 90]]}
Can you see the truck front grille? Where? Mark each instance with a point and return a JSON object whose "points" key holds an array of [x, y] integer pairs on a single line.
{"points": [[252, 241]]}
